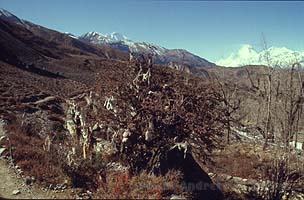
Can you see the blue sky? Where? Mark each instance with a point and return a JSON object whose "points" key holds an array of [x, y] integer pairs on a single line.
{"points": [[211, 30]]}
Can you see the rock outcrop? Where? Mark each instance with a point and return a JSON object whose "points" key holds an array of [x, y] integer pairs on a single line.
{"points": [[195, 179]]}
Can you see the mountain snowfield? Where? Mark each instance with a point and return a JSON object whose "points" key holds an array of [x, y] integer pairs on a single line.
{"points": [[273, 56]]}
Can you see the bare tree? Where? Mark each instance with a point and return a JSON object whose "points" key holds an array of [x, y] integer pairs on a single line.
{"points": [[269, 75], [293, 104], [280, 180], [231, 104]]}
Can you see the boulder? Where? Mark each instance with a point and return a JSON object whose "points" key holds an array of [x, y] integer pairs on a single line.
{"points": [[195, 179]]}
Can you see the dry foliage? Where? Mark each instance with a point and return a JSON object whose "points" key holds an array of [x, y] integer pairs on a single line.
{"points": [[246, 162], [163, 111], [27, 152], [121, 185]]}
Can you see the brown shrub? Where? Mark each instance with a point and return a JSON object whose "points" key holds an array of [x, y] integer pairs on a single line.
{"points": [[120, 185], [86, 174]]}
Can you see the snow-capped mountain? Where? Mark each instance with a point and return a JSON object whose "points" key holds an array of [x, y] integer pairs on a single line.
{"points": [[120, 42], [162, 55], [273, 56], [99, 38]]}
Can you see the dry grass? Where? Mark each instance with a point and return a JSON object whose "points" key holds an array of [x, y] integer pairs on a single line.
{"points": [[27, 152], [120, 185], [238, 160]]}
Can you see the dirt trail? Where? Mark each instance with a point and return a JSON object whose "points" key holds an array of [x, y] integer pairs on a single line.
{"points": [[9, 181]]}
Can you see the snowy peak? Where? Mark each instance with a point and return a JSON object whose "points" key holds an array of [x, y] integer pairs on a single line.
{"points": [[247, 51], [93, 37], [273, 56], [121, 42], [116, 37], [162, 55], [99, 38]]}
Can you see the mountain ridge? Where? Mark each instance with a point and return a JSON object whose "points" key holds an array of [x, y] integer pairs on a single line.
{"points": [[162, 55], [119, 42]]}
